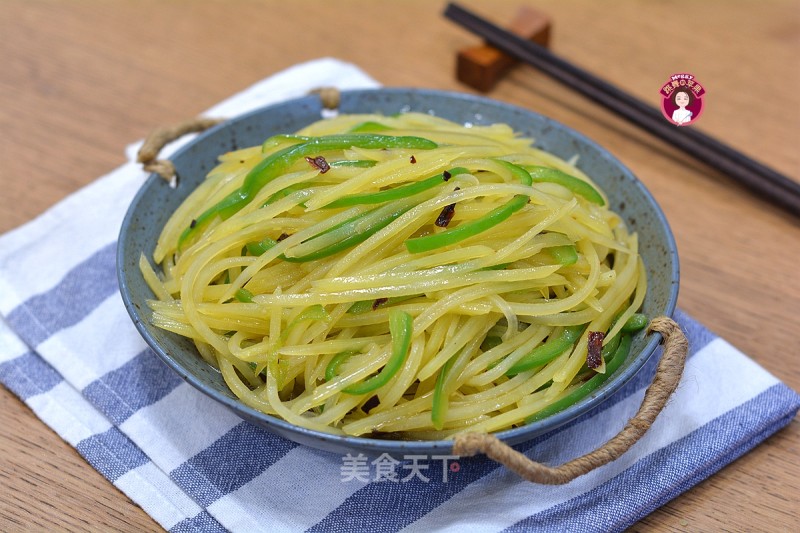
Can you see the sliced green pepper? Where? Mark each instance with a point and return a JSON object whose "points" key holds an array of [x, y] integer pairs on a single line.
{"points": [[283, 193], [369, 126], [243, 295], [440, 400], [312, 312], [284, 137], [258, 248], [401, 328], [490, 342], [278, 163], [635, 323], [356, 237], [584, 390], [499, 266], [565, 255], [396, 193], [359, 163], [479, 225], [548, 351], [279, 368], [576, 185], [333, 365]]}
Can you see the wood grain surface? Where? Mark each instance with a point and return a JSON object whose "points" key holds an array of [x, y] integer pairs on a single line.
{"points": [[81, 79]]}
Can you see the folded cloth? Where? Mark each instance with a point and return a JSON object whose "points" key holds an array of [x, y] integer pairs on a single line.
{"points": [[69, 351]]}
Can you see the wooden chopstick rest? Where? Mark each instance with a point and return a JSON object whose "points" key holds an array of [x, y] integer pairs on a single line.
{"points": [[481, 67]]}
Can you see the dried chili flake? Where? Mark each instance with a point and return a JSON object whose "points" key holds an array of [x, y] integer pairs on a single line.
{"points": [[282, 236], [379, 302], [446, 215], [193, 223], [446, 175], [412, 159], [319, 163], [594, 357], [444, 218]]}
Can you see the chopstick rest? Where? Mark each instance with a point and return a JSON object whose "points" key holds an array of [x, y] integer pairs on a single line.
{"points": [[482, 66]]}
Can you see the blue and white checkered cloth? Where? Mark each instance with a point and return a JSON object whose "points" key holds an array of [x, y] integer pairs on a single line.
{"points": [[70, 352]]}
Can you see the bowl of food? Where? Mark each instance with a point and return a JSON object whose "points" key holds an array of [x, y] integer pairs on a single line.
{"points": [[418, 265]]}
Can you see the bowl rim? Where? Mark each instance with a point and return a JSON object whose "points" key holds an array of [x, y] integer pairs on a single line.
{"points": [[347, 442]]}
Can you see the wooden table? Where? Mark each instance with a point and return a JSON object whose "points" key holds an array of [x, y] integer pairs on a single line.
{"points": [[81, 79]]}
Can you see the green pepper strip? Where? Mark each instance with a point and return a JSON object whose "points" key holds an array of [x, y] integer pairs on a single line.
{"points": [[565, 255], [258, 248], [396, 193], [548, 351], [312, 312], [635, 323], [440, 403], [352, 240], [576, 185], [283, 193], [479, 225], [279, 368], [359, 163], [499, 266], [277, 139], [401, 327], [490, 342], [333, 365], [369, 126], [584, 390], [278, 163], [364, 306], [243, 295]]}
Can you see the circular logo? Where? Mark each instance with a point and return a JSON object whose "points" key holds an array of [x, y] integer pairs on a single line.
{"points": [[682, 99]]}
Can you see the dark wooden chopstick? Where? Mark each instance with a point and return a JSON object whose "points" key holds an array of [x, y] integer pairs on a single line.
{"points": [[761, 179]]}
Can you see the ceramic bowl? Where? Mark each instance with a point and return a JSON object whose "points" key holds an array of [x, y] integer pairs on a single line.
{"points": [[155, 201]]}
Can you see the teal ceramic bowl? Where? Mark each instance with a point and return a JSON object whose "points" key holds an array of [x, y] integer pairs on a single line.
{"points": [[155, 201]]}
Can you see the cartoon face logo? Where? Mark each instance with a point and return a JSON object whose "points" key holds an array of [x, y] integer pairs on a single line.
{"points": [[682, 99]]}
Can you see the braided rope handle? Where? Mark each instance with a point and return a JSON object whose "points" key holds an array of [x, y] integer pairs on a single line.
{"points": [[160, 137], [668, 375]]}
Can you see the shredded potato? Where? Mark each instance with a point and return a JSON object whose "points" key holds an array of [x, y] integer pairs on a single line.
{"points": [[411, 290]]}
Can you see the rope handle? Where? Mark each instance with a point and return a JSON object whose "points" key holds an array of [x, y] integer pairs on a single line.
{"points": [[160, 137], [668, 375]]}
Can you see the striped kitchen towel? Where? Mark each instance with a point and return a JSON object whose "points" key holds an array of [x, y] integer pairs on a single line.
{"points": [[70, 352]]}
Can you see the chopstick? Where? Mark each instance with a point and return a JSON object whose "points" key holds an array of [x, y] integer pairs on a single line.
{"points": [[756, 176]]}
